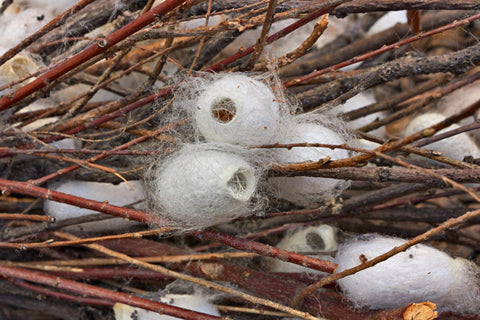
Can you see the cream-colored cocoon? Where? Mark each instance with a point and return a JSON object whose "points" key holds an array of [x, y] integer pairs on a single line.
{"points": [[421, 273], [314, 238], [202, 186], [308, 190], [455, 147], [239, 110]]}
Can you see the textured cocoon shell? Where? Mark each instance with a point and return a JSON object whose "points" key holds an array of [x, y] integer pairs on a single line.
{"points": [[308, 190], [455, 147], [313, 238], [190, 302], [203, 186], [238, 109], [421, 273]]}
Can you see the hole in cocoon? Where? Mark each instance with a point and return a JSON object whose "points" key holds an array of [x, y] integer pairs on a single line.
{"points": [[224, 110], [239, 183]]}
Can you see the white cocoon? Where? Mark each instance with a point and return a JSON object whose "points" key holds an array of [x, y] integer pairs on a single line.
{"points": [[421, 273], [16, 27], [201, 186], [237, 109], [308, 190], [53, 7], [455, 147], [309, 239], [190, 302], [119, 195], [388, 20], [361, 100]]}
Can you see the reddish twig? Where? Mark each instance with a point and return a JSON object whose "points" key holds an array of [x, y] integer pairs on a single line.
{"points": [[266, 250], [106, 294], [95, 49], [19, 216], [61, 295], [329, 5], [26, 188]]}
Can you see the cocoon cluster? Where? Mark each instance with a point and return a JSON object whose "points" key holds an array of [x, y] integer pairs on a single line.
{"points": [[191, 302], [237, 109], [209, 183], [455, 147], [421, 273], [305, 191], [315, 238], [203, 185]]}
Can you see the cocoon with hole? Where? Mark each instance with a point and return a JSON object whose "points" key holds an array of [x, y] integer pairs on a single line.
{"points": [[238, 109], [308, 190], [315, 238], [455, 147], [421, 273], [202, 186]]}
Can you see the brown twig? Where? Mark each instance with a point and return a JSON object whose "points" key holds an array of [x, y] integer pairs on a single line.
{"points": [[263, 36]]}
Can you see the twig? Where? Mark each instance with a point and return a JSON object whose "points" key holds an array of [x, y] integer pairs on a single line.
{"points": [[263, 36], [19, 216], [266, 250]]}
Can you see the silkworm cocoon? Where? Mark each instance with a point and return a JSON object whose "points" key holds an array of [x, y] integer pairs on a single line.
{"points": [[387, 21], [202, 186], [455, 147], [308, 190], [315, 238], [361, 100], [190, 302], [237, 109], [119, 195], [421, 273], [53, 7], [16, 26]]}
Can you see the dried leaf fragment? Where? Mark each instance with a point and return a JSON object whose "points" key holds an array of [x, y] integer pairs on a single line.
{"points": [[421, 311]]}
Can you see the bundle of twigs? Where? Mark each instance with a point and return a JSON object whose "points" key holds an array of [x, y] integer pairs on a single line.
{"points": [[47, 272]]}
